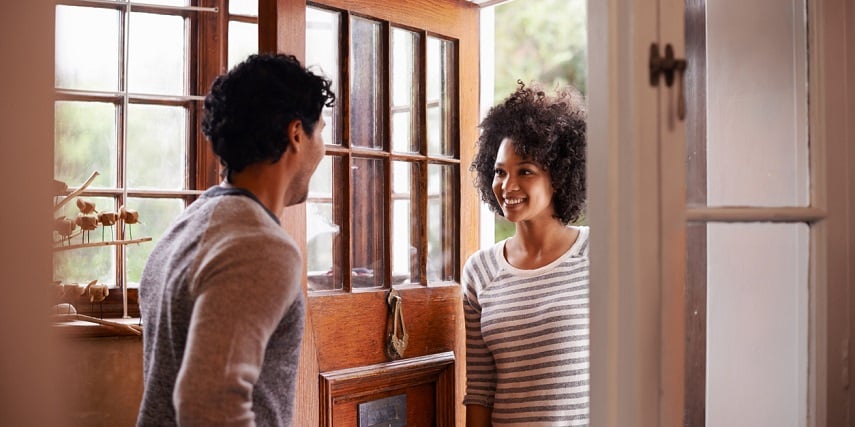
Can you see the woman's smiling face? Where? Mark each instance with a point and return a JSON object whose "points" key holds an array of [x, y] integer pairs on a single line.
{"points": [[522, 187]]}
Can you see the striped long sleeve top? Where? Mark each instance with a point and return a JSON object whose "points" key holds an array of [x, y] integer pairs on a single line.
{"points": [[527, 337]]}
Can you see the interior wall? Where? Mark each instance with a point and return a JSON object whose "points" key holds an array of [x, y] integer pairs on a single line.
{"points": [[101, 380], [849, 119], [28, 396]]}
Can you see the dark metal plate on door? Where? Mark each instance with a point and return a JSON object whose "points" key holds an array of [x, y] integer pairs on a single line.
{"points": [[386, 412]]}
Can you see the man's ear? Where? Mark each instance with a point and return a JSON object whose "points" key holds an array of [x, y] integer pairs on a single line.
{"points": [[295, 133]]}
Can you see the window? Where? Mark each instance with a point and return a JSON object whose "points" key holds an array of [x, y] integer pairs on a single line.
{"points": [[130, 80], [383, 205]]}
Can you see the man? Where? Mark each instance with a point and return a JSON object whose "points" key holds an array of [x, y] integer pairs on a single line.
{"points": [[220, 295]]}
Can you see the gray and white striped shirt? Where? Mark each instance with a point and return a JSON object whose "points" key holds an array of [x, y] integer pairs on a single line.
{"points": [[527, 337]]}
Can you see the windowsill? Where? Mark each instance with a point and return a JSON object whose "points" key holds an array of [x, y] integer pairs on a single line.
{"points": [[86, 329]]}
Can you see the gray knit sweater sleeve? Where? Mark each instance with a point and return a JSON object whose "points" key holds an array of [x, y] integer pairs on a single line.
{"points": [[223, 319]]}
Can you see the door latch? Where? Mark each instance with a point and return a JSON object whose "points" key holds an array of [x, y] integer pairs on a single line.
{"points": [[668, 66], [397, 336]]}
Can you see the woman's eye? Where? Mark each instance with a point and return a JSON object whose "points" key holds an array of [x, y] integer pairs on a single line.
{"points": [[499, 172]]}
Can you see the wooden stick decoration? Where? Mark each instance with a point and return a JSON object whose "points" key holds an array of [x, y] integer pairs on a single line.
{"points": [[122, 327], [74, 193], [95, 244]]}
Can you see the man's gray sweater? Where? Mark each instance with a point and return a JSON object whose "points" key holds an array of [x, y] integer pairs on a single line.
{"points": [[223, 312]]}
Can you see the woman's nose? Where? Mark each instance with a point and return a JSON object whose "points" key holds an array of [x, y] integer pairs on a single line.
{"points": [[510, 184]]}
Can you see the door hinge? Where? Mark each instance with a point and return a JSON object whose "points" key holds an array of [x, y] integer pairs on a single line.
{"points": [[668, 65]]}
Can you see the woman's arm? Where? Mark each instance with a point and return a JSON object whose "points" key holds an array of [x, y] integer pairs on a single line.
{"points": [[478, 416]]}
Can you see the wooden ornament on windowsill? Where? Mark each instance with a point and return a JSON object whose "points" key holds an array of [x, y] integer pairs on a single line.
{"points": [[89, 219], [82, 225]]}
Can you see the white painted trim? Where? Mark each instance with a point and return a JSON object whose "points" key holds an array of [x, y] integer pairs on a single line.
{"points": [[672, 233], [487, 3], [623, 178], [488, 78]]}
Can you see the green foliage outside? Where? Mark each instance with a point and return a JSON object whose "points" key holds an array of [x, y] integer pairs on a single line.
{"points": [[542, 40], [539, 40]]}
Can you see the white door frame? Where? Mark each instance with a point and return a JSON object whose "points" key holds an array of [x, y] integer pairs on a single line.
{"points": [[636, 176], [628, 380]]}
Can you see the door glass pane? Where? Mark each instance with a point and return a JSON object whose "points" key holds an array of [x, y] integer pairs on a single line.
{"points": [[366, 84], [243, 7], [405, 252], [367, 222], [405, 82], [323, 221], [157, 42], [155, 215], [243, 41], [87, 48], [322, 42], [157, 153], [440, 223], [85, 142], [757, 320], [440, 54], [757, 123]]}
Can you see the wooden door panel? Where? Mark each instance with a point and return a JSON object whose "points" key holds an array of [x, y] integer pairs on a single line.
{"points": [[428, 383], [351, 331], [344, 361]]}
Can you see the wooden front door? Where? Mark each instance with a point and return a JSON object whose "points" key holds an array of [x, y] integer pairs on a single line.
{"points": [[391, 213]]}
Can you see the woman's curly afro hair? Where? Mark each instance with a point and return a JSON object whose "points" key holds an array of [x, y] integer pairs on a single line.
{"points": [[248, 108], [546, 129]]}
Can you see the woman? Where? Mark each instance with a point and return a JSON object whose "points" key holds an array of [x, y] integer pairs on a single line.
{"points": [[526, 298]]}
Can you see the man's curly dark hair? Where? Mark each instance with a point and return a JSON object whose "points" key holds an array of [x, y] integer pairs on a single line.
{"points": [[248, 108], [546, 129]]}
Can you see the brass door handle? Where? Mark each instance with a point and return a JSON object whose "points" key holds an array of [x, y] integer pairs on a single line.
{"points": [[397, 331]]}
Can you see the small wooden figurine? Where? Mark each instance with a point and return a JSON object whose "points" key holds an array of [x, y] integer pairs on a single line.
{"points": [[107, 219], [129, 216]]}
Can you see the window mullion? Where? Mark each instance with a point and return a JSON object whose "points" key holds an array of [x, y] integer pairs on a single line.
{"points": [[120, 252]]}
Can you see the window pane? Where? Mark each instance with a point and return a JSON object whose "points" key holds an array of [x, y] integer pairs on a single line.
{"points": [[405, 252], [85, 142], [404, 90], [243, 41], [757, 122], [439, 59], [86, 264], [87, 48], [441, 227], [322, 42], [83, 265], [757, 320], [157, 42], [243, 7], [157, 156], [367, 220], [323, 221], [155, 216], [366, 92]]}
